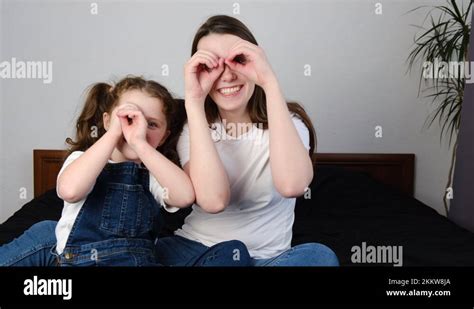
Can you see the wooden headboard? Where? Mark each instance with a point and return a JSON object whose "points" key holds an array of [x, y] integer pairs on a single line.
{"points": [[46, 166], [396, 170]]}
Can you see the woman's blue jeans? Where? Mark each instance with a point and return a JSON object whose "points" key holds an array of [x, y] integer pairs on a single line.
{"points": [[179, 251]]}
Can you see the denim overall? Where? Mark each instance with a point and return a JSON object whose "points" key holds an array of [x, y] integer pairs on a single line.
{"points": [[118, 223]]}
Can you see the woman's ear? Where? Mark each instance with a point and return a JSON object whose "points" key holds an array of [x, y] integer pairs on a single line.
{"points": [[106, 120], [163, 140]]}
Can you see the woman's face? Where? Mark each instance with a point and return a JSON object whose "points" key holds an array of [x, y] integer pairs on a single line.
{"points": [[232, 90]]}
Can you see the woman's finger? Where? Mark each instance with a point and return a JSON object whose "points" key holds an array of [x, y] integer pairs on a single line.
{"points": [[235, 66], [215, 73], [243, 43], [201, 63], [204, 59], [211, 55], [241, 55]]}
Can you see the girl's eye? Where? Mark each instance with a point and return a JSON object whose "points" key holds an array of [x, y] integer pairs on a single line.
{"points": [[152, 125]]}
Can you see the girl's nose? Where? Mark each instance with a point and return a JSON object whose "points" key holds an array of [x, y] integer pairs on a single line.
{"points": [[228, 75]]}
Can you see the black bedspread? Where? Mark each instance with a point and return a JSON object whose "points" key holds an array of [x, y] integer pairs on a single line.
{"points": [[346, 209]]}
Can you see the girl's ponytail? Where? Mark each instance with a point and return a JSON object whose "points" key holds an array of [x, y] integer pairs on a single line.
{"points": [[89, 125]]}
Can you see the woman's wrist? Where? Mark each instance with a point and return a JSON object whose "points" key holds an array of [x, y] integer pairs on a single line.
{"points": [[194, 106], [271, 85]]}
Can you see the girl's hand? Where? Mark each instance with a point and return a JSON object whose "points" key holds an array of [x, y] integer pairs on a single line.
{"points": [[115, 127], [200, 73], [134, 125], [250, 60]]}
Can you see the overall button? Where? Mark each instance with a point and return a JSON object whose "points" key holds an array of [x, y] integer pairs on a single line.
{"points": [[68, 256]]}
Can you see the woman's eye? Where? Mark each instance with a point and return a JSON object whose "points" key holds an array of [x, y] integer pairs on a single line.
{"points": [[240, 59]]}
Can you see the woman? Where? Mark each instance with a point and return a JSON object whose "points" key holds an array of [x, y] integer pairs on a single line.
{"points": [[246, 180]]}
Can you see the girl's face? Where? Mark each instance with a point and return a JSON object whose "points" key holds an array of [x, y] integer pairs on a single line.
{"points": [[231, 91], [152, 109]]}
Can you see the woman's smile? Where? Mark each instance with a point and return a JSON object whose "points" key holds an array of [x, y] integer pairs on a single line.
{"points": [[230, 91]]}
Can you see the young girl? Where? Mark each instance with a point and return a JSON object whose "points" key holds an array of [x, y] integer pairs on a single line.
{"points": [[114, 181], [111, 202], [245, 182]]}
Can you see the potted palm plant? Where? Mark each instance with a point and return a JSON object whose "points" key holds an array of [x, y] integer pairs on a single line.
{"points": [[443, 39]]}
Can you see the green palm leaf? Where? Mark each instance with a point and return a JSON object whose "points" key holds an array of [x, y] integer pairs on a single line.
{"points": [[446, 39]]}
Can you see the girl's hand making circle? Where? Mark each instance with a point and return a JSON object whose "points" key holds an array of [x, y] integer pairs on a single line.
{"points": [[250, 60], [134, 124], [115, 126], [200, 73]]}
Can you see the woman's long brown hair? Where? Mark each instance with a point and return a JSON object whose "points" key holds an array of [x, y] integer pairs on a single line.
{"points": [[103, 98], [257, 107]]}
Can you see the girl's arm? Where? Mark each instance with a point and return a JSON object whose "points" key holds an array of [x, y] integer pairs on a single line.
{"points": [[291, 166], [205, 168], [168, 175], [76, 181]]}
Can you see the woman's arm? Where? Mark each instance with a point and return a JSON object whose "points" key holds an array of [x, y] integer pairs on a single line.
{"points": [[76, 181], [291, 166], [205, 168], [290, 163]]}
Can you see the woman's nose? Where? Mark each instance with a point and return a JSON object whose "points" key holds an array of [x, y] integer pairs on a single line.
{"points": [[228, 75]]}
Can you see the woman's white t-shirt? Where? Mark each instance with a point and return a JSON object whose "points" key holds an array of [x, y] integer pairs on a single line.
{"points": [[71, 210], [257, 214]]}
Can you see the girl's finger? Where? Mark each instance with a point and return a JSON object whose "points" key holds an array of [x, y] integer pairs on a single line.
{"points": [[124, 112], [129, 113], [124, 122]]}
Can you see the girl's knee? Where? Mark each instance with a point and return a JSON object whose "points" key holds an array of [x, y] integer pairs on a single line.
{"points": [[43, 229]]}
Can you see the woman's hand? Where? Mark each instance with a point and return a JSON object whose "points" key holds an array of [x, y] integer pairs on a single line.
{"points": [[250, 60], [134, 124], [200, 73]]}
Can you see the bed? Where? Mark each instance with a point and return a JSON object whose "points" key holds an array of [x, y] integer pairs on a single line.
{"points": [[355, 200]]}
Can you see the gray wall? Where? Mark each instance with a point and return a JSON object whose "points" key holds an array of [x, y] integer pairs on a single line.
{"points": [[358, 72]]}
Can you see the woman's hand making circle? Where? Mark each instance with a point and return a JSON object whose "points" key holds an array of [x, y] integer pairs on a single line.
{"points": [[200, 73], [250, 60]]}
